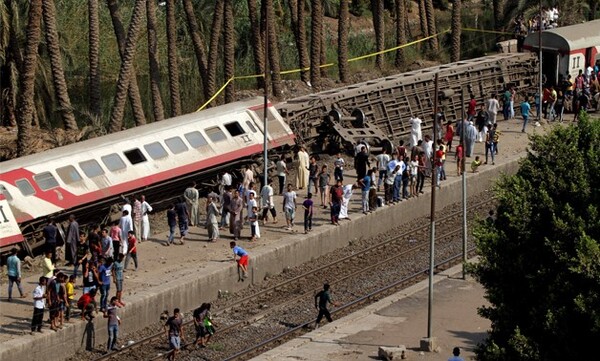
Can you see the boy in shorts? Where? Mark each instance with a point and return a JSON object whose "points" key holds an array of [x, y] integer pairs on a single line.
{"points": [[174, 328], [242, 262]]}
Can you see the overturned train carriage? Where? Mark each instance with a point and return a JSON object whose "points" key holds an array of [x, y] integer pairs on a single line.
{"points": [[378, 111]]}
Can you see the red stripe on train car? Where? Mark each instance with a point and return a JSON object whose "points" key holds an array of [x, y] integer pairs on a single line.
{"points": [[64, 199], [7, 241]]}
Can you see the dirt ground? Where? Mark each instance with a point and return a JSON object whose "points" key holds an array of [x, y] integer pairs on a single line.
{"points": [[160, 265]]}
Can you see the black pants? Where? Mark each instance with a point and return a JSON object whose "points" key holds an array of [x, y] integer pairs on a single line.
{"points": [[36, 320], [307, 220], [281, 183], [324, 312], [420, 181], [265, 212]]}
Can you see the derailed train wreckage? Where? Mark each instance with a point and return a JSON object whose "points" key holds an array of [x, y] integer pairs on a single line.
{"points": [[378, 111], [161, 158]]}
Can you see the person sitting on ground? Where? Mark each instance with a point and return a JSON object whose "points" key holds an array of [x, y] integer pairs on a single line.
{"points": [[475, 164]]}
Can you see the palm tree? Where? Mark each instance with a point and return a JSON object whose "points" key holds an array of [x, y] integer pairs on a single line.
{"points": [[299, 30], [172, 59], [377, 7], [498, 10], [229, 49], [126, 71], [315, 46], [456, 30], [58, 73], [157, 103], [400, 32], [94, 57], [213, 52], [274, 61], [423, 19], [257, 41], [11, 57], [198, 42], [26, 101], [429, 11], [137, 108], [343, 28]]}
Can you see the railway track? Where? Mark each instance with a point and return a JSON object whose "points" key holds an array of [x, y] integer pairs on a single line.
{"points": [[250, 324]]}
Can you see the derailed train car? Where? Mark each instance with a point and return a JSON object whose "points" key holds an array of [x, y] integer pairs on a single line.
{"points": [[378, 111]]}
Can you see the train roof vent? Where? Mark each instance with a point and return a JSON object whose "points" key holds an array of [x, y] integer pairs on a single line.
{"points": [[134, 156]]}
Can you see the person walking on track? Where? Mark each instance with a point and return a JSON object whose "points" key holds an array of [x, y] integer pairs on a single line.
{"points": [[321, 300]]}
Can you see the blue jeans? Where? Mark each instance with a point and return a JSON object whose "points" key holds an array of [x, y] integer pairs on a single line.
{"points": [[104, 290], [490, 148], [365, 200], [113, 332], [525, 120], [382, 175], [397, 183], [338, 174], [172, 230]]}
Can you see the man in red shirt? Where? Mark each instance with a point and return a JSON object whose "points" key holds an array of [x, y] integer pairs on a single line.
{"points": [[472, 110], [131, 250], [336, 193]]}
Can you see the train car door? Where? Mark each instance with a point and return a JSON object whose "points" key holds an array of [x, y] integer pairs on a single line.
{"points": [[550, 65]]}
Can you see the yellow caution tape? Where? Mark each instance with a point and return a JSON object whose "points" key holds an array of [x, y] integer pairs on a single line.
{"points": [[487, 31]]}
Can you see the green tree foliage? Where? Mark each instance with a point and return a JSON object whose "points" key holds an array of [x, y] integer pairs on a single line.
{"points": [[540, 260]]}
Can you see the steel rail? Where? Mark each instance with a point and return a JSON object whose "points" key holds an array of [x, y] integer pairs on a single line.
{"points": [[151, 338]]}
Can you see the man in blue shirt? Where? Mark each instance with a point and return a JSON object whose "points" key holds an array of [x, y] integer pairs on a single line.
{"points": [[365, 185], [105, 273], [13, 264]]}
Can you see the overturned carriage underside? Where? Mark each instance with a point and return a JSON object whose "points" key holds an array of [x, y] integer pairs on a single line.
{"points": [[388, 103]]}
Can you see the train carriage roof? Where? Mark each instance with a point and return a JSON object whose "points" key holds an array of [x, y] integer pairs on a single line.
{"points": [[567, 38], [131, 133]]}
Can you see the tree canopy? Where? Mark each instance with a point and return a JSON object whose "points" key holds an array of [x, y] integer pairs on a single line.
{"points": [[540, 259]]}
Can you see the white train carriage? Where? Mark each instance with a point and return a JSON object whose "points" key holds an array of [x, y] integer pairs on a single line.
{"points": [[87, 177]]}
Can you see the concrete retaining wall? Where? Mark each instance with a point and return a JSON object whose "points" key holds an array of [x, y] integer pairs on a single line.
{"points": [[187, 293]]}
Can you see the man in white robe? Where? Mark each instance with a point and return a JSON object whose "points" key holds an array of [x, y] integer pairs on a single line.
{"points": [[302, 171], [346, 201]]}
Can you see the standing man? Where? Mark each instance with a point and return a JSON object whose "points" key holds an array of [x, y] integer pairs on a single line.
{"points": [[470, 136], [415, 132], [105, 273], [313, 170], [182, 218], [267, 202], [126, 227], [132, 250], [336, 195], [146, 208], [321, 300], [107, 245], [39, 302], [248, 176], [382, 163], [338, 171], [191, 196], [172, 222], [225, 202], [71, 241], [506, 101], [236, 215], [49, 232], [137, 217], [174, 328], [224, 182], [242, 262], [302, 171], [113, 325], [13, 265], [361, 163], [492, 108], [525, 108], [282, 171], [289, 206], [472, 109]]}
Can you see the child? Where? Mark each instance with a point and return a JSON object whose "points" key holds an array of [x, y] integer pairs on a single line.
{"points": [[323, 185], [242, 262], [308, 213], [70, 286], [253, 219], [414, 167], [475, 164], [388, 185], [118, 268], [459, 156]]}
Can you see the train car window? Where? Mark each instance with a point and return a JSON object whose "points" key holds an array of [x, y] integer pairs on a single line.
{"points": [[45, 181], [251, 126], [155, 150], [196, 139], [25, 187], [113, 162], [234, 128], [5, 193], [68, 174], [176, 145], [91, 168], [134, 156], [215, 134]]}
